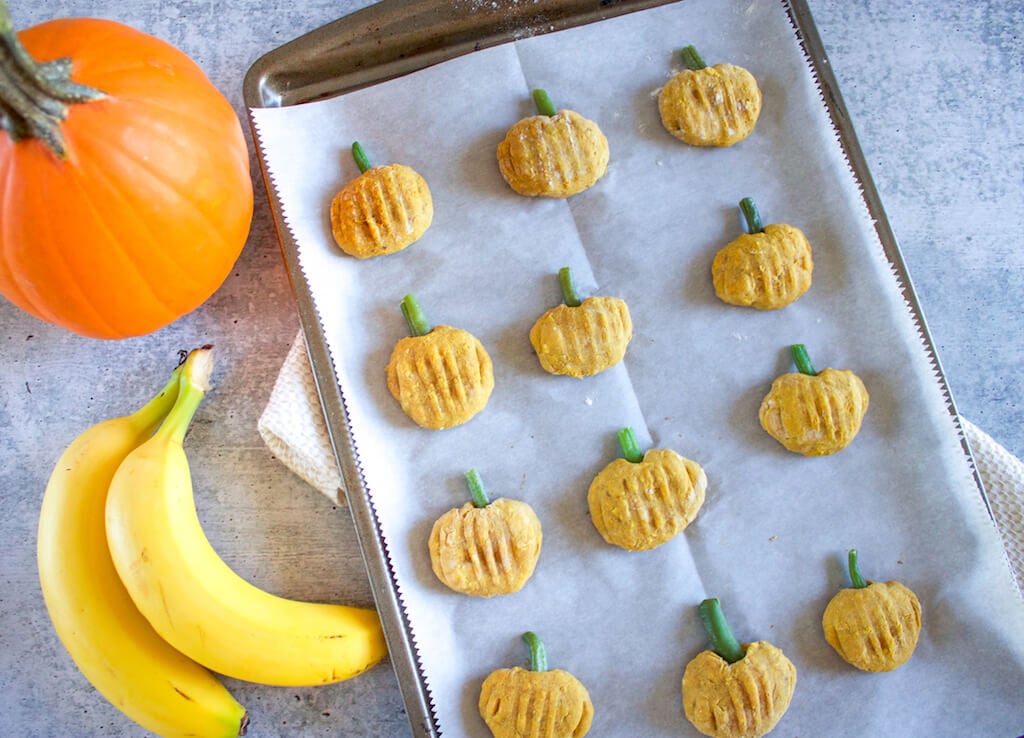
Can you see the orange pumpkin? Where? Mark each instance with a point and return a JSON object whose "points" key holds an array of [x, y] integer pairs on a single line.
{"points": [[143, 215]]}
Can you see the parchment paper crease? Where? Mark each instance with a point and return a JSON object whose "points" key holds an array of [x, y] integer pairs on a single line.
{"points": [[771, 538]]}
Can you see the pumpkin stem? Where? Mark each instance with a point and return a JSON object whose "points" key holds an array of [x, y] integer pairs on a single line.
{"points": [[360, 157], [34, 97], [751, 216], [415, 318], [723, 642], [692, 58], [855, 576], [569, 294], [630, 448], [476, 489], [538, 654], [543, 102], [802, 359]]}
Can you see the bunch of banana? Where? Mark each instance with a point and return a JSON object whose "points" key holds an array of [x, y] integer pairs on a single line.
{"points": [[143, 603], [109, 640]]}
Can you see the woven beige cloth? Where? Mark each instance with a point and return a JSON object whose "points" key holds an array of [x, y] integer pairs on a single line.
{"points": [[292, 425]]}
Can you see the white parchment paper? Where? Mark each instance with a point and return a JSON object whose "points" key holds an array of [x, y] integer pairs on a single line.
{"points": [[771, 539]]}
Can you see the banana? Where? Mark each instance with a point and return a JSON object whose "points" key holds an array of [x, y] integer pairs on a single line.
{"points": [[107, 637], [193, 598]]}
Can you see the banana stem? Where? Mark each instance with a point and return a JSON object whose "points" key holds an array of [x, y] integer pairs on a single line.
{"points": [[149, 416], [194, 383], [34, 97]]}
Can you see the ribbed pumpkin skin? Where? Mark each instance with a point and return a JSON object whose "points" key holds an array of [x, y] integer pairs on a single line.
{"points": [[147, 215]]}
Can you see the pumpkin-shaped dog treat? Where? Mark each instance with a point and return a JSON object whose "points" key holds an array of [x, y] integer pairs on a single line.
{"points": [[814, 413], [709, 106], [581, 338], [644, 500], [381, 211], [734, 690], [874, 626], [486, 547], [535, 702], [553, 154], [766, 268], [441, 376]]}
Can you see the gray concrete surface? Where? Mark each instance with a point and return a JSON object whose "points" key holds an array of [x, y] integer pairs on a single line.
{"points": [[935, 91]]}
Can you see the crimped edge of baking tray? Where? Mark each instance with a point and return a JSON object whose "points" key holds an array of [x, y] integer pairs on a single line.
{"points": [[397, 37]]}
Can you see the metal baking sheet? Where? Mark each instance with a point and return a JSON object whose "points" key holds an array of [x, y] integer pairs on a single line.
{"points": [[394, 38]]}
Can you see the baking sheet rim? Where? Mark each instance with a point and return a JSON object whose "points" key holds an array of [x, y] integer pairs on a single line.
{"points": [[383, 584]]}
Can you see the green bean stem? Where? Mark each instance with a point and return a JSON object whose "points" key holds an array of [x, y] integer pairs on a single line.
{"points": [[543, 102], [855, 575], [476, 488], [538, 654], [802, 359], [751, 217], [569, 293], [414, 317], [630, 448], [723, 642], [361, 159], [692, 58]]}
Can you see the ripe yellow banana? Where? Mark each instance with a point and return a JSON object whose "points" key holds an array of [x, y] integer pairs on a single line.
{"points": [[107, 637], [193, 599]]}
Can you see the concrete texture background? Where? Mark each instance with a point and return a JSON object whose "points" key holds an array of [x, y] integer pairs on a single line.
{"points": [[935, 91]]}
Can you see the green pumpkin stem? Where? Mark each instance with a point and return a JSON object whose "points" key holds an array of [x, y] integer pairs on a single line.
{"points": [[855, 575], [360, 157], [569, 294], [630, 448], [543, 102], [415, 318], [476, 489], [34, 97], [692, 58], [538, 654], [751, 217], [802, 359], [723, 642]]}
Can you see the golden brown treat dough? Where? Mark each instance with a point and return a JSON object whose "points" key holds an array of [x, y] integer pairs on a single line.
{"points": [[713, 106], [441, 379], [519, 703], [486, 551], [745, 699], [584, 340], [815, 415], [383, 210], [553, 156], [639, 506], [874, 628], [766, 270]]}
